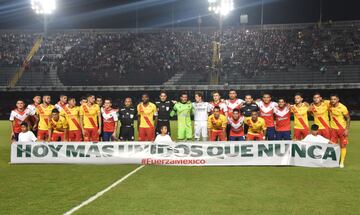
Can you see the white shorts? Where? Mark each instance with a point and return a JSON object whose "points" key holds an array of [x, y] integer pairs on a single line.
{"points": [[201, 129]]}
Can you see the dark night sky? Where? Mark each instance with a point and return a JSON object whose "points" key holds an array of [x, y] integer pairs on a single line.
{"points": [[162, 13]]}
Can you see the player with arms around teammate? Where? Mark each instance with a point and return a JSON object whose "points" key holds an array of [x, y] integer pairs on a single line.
{"points": [[32, 112], [339, 125], [17, 117], [236, 122], [217, 102], [183, 110], [257, 127], [266, 107], [283, 120], [164, 107], [61, 103], [110, 120], [201, 110], [58, 129], [71, 113], [247, 108], [217, 125], [147, 114], [300, 111], [43, 112], [127, 115], [90, 119], [320, 110]]}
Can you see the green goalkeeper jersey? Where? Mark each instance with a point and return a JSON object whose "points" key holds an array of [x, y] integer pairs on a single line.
{"points": [[183, 112]]}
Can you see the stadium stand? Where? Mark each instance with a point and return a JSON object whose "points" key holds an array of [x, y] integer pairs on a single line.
{"points": [[277, 54]]}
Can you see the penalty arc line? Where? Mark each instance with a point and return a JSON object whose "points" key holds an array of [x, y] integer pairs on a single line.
{"points": [[99, 194]]}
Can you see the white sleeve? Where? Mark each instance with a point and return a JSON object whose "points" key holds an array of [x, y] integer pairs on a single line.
{"points": [[115, 116], [12, 116], [32, 137], [208, 107], [307, 138], [323, 139], [241, 101]]}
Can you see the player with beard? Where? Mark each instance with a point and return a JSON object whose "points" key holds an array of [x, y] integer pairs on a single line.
{"points": [[283, 120], [300, 111], [183, 110], [61, 103], [217, 102], [247, 108], [147, 117], [320, 110], [43, 112]]}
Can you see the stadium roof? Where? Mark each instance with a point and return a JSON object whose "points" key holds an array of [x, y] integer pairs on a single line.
{"points": [[167, 13]]}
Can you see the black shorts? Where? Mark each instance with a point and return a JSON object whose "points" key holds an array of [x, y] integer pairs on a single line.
{"points": [[161, 124], [126, 133]]}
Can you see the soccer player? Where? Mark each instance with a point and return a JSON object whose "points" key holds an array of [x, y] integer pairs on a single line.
{"points": [[340, 125], [127, 115], [164, 107], [320, 110], [61, 103], [32, 112], [217, 125], [217, 102], [266, 107], [183, 110], [283, 123], [58, 128], [147, 114], [315, 137], [17, 117], [247, 108], [110, 120], [72, 114], [257, 127], [43, 112], [201, 110], [90, 119], [236, 122], [233, 102], [99, 101], [83, 100], [300, 112]]}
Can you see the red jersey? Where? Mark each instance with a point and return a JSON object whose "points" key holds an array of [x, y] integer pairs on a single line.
{"points": [[32, 112], [17, 117], [236, 126], [283, 122], [109, 119], [233, 104], [221, 105], [267, 112]]}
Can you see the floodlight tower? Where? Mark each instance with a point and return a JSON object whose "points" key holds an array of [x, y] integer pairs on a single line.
{"points": [[44, 8], [220, 9]]}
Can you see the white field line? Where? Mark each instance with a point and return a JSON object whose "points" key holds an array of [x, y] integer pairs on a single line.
{"points": [[99, 194]]}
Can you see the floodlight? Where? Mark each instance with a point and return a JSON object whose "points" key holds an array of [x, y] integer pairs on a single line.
{"points": [[221, 7], [45, 7]]}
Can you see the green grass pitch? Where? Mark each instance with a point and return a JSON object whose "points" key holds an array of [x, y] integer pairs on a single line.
{"points": [[55, 189]]}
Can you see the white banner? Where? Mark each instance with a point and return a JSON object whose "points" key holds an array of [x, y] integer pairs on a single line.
{"points": [[259, 153]]}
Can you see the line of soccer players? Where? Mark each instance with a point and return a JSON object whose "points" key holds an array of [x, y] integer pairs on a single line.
{"points": [[231, 119]]}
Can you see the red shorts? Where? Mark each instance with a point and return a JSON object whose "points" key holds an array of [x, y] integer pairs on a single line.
{"points": [[146, 134], [43, 135], [75, 135], [300, 134], [91, 134], [258, 137], [325, 133], [216, 134], [55, 137], [338, 134]]}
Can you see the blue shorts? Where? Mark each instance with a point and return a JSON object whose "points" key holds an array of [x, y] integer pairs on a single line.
{"points": [[107, 136], [283, 135], [238, 138], [270, 133]]}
